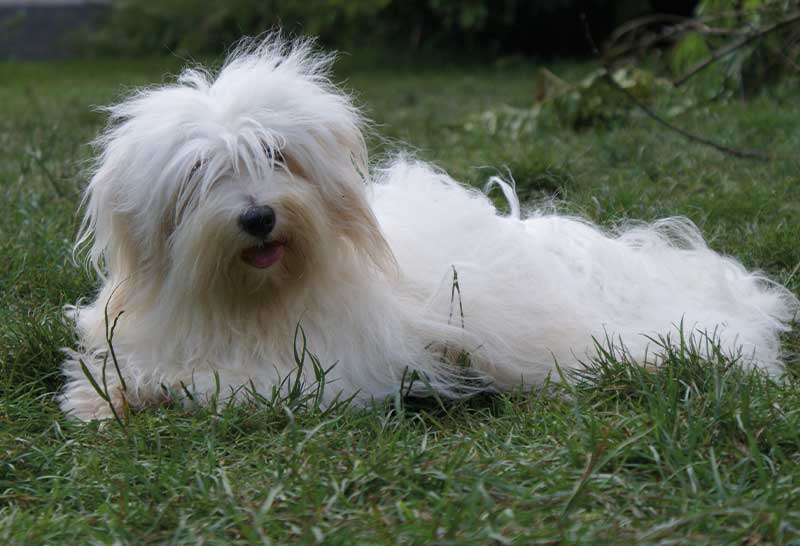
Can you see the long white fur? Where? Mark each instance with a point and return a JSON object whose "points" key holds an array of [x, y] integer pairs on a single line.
{"points": [[372, 260]]}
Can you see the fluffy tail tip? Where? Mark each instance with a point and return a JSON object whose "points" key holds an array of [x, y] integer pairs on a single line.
{"points": [[509, 192]]}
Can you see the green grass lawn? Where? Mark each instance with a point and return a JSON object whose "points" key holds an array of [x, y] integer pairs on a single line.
{"points": [[698, 452]]}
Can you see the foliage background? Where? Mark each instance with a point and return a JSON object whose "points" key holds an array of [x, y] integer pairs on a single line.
{"points": [[482, 28]]}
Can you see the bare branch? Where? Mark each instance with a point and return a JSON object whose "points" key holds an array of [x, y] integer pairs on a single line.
{"points": [[609, 78], [733, 46]]}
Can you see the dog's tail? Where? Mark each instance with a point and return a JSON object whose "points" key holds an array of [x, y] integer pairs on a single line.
{"points": [[508, 187]]}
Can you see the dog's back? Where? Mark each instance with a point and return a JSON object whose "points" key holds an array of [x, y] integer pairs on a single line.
{"points": [[538, 290]]}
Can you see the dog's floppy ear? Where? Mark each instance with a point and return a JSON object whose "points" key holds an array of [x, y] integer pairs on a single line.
{"points": [[350, 206], [105, 233]]}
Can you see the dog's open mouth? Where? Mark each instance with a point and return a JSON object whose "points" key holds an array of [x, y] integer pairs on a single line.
{"points": [[264, 255]]}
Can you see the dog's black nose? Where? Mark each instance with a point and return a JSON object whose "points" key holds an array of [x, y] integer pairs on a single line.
{"points": [[258, 221]]}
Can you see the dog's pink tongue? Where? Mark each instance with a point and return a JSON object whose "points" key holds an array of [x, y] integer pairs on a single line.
{"points": [[264, 255]]}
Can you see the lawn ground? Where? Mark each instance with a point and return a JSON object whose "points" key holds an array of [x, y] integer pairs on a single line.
{"points": [[698, 452]]}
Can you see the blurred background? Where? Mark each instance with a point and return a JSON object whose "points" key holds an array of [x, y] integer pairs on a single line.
{"points": [[511, 83], [746, 42], [485, 29]]}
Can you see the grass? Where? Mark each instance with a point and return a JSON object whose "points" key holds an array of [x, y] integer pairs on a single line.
{"points": [[698, 452]]}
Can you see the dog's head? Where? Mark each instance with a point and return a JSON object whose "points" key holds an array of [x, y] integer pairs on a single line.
{"points": [[245, 180]]}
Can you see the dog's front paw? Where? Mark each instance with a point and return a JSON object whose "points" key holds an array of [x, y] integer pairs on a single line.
{"points": [[81, 401]]}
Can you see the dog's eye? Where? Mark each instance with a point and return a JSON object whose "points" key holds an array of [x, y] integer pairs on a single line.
{"points": [[195, 168], [274, 155]]}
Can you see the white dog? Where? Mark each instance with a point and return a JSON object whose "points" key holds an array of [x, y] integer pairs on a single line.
{"points": [[226, 209]]}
